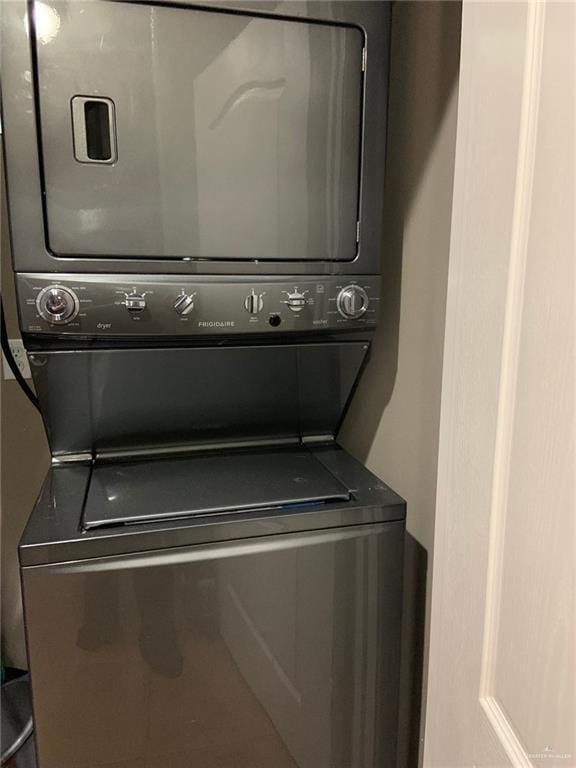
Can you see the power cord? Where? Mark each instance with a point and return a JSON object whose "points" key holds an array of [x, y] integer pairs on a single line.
{"points": [[12, 363]]}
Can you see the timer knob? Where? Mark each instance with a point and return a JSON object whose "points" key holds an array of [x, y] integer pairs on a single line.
{"points": [[352, 302], [184, 304], [57, 305]]}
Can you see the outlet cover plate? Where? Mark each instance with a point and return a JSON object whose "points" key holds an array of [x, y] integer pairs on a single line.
{"points": [[21, 358]]}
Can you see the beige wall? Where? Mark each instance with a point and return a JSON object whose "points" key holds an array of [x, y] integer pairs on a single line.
{"points": [[25, 459], [393, 422]]}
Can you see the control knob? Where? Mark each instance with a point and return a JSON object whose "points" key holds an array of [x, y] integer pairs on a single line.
{"points": [[135, 302], [296, 300], [184, 304], [57, 305], [352, 302], [254, 303]]}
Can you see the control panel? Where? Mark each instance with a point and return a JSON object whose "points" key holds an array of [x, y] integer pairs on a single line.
{"points": [[105, 305]]}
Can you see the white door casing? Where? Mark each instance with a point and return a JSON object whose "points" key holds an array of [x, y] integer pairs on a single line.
{"points": [[502, 649]]}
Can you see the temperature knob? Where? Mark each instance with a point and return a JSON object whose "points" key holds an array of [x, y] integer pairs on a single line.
{"points": [[296, 300], [253, 303], [184, 304], [135, 302], [57, 305], [352, 302]]}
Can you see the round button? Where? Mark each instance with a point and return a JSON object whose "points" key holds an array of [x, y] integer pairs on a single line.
{"points": [[57, 305], [352, 302], [184, 304]]}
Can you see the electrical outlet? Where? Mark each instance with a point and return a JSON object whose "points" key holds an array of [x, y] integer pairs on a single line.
{"points": [[21, 358]]}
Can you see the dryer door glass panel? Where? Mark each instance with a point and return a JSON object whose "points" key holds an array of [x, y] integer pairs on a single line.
{"points": [[228, 136]]}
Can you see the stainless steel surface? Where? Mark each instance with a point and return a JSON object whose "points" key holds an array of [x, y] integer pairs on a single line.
{"points": [[280, 651], [353, 302], [248, 650], [117, 400], [54, 532], [241, 134], [203, 307], [178, 172], [137, 491], [146, 202]]}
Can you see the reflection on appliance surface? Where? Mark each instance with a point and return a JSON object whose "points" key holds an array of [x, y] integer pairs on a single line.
{"points": [[260, 656], [239, 136], [277, 625]]}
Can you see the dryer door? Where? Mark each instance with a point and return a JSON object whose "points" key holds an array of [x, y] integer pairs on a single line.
{"points": [[172, 132]]}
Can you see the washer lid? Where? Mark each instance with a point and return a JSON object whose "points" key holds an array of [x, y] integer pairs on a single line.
{"points": [[143, 491], [120, 401]]}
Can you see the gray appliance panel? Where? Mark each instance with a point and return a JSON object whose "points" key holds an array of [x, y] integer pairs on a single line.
{"points": [[213, 305], [278, 651], [54, 532], [136, 492], [115, 400], [23, 166], [237, 136]]}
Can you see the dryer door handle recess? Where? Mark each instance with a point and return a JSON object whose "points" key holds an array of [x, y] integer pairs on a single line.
{"points": [[94, 129]]}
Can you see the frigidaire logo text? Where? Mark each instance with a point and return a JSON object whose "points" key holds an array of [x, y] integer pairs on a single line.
{"points": [[216, 323]]}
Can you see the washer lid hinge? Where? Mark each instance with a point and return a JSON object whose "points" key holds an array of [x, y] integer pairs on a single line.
{"points": [[71, 458], [327, 437]]}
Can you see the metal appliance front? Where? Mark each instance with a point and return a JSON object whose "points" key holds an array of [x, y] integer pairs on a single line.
{"points": [[216, 483], [227, 139], [238, 136], [127, 400], [258, 638], [110, 306], [187, 284], [276, 651]]}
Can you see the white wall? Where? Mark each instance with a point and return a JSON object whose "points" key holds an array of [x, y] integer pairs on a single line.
{"points": [[393, 422]]}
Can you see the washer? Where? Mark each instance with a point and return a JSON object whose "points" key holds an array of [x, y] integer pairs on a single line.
{"points": [[256, 638]]}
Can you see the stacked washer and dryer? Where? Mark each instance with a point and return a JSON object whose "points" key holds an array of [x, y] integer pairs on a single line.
{"points": [[195, 197]]}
